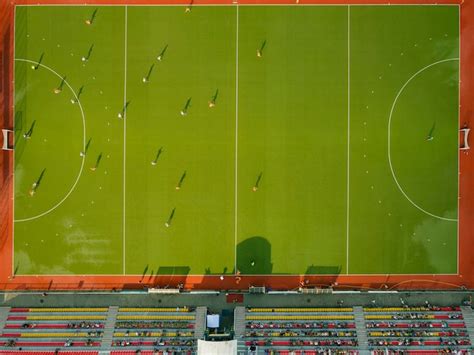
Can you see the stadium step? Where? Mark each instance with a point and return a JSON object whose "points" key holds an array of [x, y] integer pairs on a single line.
{"points": [[3, 316], [239, 322], [242, 349], [468, 316], [109, 327], [200, 326], [361, 329]]}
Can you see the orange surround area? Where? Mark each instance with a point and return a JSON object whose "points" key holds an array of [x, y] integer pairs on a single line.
{"points": [[465, 278]]}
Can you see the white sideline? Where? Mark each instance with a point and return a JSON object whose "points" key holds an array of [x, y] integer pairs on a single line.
{"points": [[236, 134]]}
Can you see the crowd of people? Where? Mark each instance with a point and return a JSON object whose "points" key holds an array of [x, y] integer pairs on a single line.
{"points": [[417, 333], [411, 315], [436, 324], [405, 352], [160, 333], [419, 342], [301, 342], [317, 351], [298, 325], [71, 325], [88, 342], [300, 333], [156, 343], [153, 325], [85, 325]]}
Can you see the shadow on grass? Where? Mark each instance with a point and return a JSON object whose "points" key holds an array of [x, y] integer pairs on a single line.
{"points": [[173, 270], [323, 270], [254, 256]]}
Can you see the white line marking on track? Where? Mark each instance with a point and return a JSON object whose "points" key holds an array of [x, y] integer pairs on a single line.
{"points": [[83, 143], [389, 141]]}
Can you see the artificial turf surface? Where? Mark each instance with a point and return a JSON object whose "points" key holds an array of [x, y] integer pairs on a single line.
{"points": [[309, 119]]}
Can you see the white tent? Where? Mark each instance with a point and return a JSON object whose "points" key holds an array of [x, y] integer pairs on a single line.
{"points": [[217, 347]]}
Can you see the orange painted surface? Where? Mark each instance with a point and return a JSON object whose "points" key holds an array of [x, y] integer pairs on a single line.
{"points": [[6, 158], [387, 282]]}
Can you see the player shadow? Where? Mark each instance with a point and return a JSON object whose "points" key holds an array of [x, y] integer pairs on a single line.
{"points": [[89, 53], [144, 272], [262, 47], [38, 63], [17, 266], [30, 131], [146, 78], [254, 256]]}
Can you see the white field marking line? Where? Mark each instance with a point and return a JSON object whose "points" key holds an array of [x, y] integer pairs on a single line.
{"points": [[389, 135], [124, 137], [236, 134], [83, 143], [348, 129], [459, 127], [13, 152], [230, 275], [434, 4]]}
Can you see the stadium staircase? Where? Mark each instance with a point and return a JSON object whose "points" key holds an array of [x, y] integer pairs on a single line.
{"points": [[200, 328], [361, 329], [3, 316], [109, 327], [239, 321], [239, 329], [468, 316]]}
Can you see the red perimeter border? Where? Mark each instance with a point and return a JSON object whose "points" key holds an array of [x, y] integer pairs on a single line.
{"points": [[465, 279]]}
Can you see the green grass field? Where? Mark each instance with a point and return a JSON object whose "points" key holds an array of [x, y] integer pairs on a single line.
{"points": [[331, 123]]}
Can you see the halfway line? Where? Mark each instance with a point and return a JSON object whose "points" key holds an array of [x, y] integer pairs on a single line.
{"points": [[348, 129], [124, 134], [236, 133]]}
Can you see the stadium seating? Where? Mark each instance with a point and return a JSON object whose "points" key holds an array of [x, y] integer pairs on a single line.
{"points": [[39, 352], [41, 329], [299, 330], [417, 330]]}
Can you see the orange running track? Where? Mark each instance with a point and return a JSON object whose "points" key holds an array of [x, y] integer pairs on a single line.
{"points": [[465, 278]]}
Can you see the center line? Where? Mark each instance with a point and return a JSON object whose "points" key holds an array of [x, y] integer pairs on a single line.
{"points": [[348, 129], [124, 136], [236, 133]]}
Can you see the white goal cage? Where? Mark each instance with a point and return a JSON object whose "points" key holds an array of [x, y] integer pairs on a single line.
{"points": [[465, 144], [7, 139]]}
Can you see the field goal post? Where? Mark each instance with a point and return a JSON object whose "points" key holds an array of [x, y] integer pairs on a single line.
{"points": [[465, 143], [8, 135]]}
